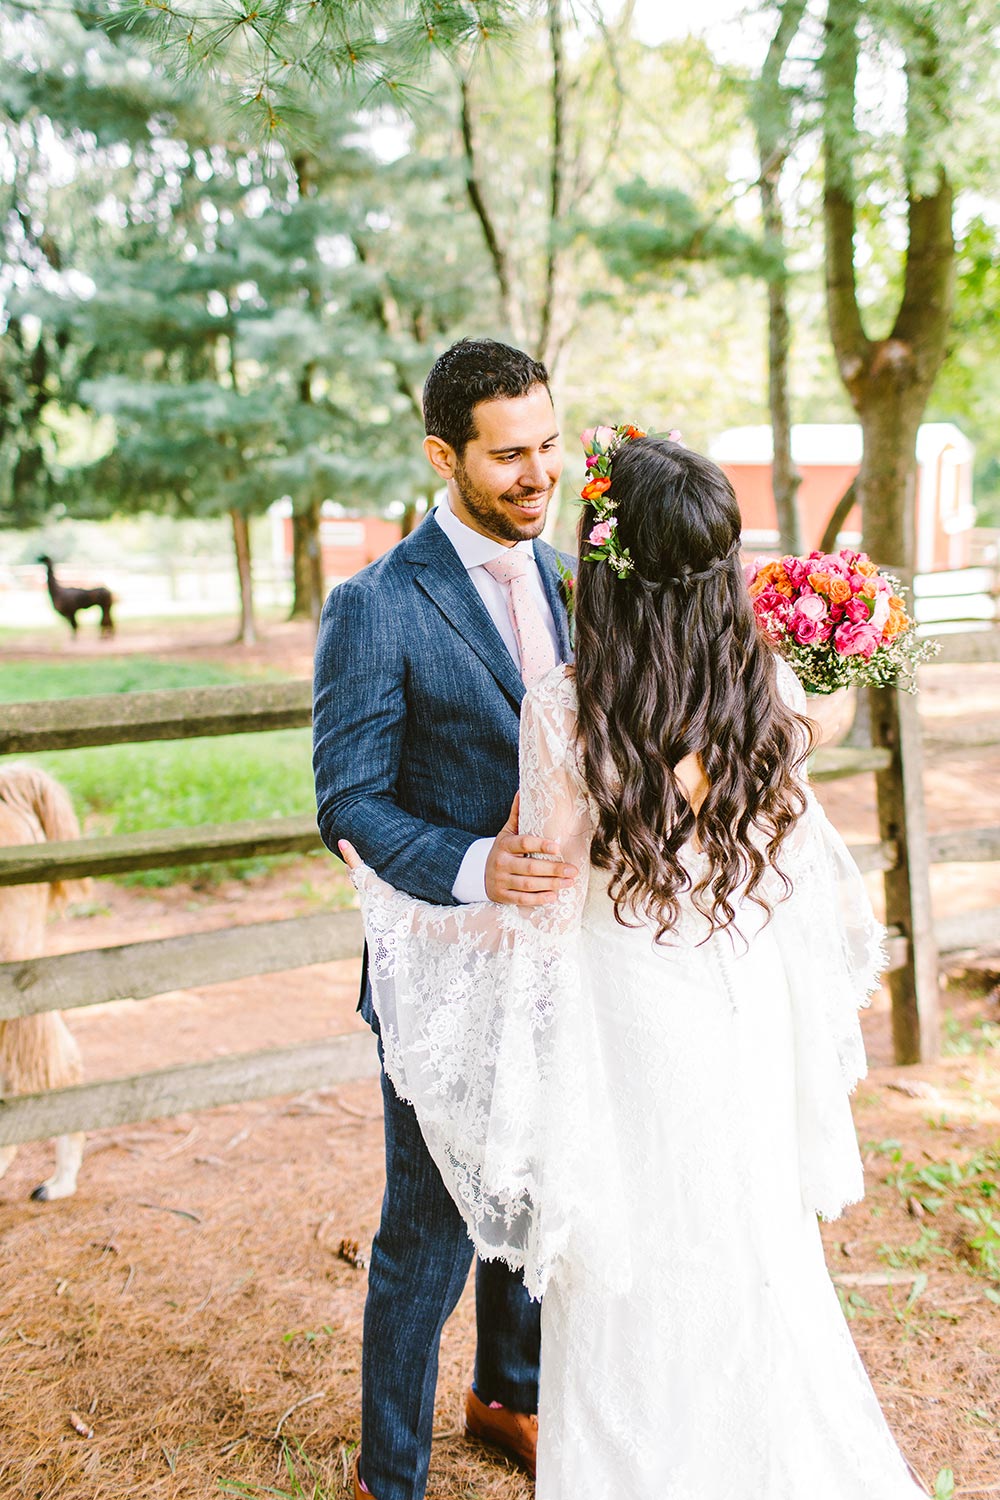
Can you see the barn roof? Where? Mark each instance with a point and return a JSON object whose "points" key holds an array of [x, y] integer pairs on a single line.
{"points": [[834, 443]]}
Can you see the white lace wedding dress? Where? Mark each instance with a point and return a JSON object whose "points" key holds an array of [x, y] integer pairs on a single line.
{"points": [[649, 1132]]}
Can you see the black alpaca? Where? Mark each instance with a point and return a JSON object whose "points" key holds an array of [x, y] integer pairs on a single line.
{"points": [[67, 602]]}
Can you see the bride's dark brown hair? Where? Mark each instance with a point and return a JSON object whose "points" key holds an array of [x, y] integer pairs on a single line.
{"points": [[669, 662]]}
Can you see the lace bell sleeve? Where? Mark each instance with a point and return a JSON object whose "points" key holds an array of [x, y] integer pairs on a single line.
{"points": [[475, 1006], [833, 949]]}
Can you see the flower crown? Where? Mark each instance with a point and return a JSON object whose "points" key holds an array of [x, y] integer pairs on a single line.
{"points": [[600, 444]]}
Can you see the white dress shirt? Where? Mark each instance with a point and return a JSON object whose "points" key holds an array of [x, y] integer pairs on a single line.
{"points": [[474, 550]]}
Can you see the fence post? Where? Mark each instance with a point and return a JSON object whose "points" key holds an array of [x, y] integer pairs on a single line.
{"points": [[901, 816]]}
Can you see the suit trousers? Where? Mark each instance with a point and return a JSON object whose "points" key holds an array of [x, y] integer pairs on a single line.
{"points": [[419, 1265]]}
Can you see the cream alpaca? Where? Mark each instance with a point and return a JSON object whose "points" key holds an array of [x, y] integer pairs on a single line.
{"points": [[36, 1052]]}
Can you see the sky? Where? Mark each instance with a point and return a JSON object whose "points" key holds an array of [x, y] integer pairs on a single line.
{"points": [[732, 33]]}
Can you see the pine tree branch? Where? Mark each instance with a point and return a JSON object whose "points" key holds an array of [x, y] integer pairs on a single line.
{"points": [[387, 316], [497, 251], [582, 185], [557, 167]]}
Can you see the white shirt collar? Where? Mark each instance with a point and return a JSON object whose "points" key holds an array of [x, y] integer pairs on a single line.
{"points": [[472, 547]]}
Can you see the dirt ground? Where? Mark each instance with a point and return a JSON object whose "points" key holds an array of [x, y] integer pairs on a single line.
{"points": [[187, 1322]]}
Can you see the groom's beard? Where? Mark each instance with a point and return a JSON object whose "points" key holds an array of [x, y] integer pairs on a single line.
{"points": [[497, 514]]}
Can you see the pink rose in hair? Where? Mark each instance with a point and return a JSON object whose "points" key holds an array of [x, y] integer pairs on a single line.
{"points": [[856, 640], [593, 459], [601, 532]]}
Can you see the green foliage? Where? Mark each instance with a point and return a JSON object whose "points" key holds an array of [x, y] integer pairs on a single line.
{"points": [[968, 389], [853, 1305], [924, 1248], [309, 1336], [944, 1485], [273, 56], [981, 1037], [656, 229], [971, 1190]]}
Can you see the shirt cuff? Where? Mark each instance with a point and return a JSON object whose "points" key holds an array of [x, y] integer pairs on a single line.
{"points": [[470, 882]]}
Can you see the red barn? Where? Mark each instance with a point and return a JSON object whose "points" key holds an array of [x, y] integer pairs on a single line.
{"points": [[349, 543], [828, 456]]}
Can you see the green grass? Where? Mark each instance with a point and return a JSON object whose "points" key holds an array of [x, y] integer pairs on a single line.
{"points": [[969, 1189], [170, 783], [308, 1487], [27, 681]]}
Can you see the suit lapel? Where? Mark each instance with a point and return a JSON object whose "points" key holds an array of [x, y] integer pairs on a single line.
{"points": [[441, 575]]}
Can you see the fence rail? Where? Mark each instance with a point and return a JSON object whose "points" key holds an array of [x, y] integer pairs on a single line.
{"points": [[135, 971], [166, 714], [138, 971]]}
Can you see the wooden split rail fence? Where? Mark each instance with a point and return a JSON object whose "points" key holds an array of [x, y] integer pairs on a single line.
{"points": [[137, 971]]}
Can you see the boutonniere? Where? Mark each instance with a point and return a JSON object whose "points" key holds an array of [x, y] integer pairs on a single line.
{"points": [[567, 585]]}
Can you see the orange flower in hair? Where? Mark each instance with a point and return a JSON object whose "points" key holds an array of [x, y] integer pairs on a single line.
{"points": [[595, 488]]}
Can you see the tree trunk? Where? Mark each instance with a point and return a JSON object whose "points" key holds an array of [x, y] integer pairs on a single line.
{"points": [[497, 250], [547, 332], [889, 381], [241, 546], [773, 124], [307, 603], [307, 564], [838, 517], [785, 478], [886, 481]]}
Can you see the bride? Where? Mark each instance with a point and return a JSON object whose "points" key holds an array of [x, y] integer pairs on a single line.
{"points": [[638, 1094]]}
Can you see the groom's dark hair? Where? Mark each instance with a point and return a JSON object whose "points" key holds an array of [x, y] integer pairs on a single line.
{"points": [[471, 371]]}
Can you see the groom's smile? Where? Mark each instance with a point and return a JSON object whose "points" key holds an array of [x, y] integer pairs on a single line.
{"points": [[502, 482]]}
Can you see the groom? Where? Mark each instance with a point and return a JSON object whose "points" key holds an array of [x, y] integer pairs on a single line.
{"points": [[421, 665]]}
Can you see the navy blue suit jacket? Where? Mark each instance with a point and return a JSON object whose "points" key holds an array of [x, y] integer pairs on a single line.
{"points": [[416, 713]]}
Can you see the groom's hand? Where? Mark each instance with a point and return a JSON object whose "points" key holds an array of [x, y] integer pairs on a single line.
{"points": [[514, 876]]}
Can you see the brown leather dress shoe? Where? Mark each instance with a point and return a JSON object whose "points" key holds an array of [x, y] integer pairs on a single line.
{"points": [[514, 1433], [359, 1493]]}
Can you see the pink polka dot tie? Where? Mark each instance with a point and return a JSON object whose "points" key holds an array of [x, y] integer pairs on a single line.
{"points": [[533, 639]]}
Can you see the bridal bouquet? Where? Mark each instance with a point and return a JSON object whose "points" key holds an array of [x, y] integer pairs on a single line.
{"points": [[836, 619]]}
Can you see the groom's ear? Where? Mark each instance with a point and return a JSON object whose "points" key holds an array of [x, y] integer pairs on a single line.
{"points": [[440, 456]]}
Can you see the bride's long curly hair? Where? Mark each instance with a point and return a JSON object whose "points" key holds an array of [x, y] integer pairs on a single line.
{"points": [[669, 663]]}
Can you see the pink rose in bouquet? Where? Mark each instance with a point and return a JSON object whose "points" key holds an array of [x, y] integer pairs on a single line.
{"points": [[880, 610], [857, 611], [813, 606], [833, 563], [856, 640], [807, 630], [809, 619], [797, 571]]}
